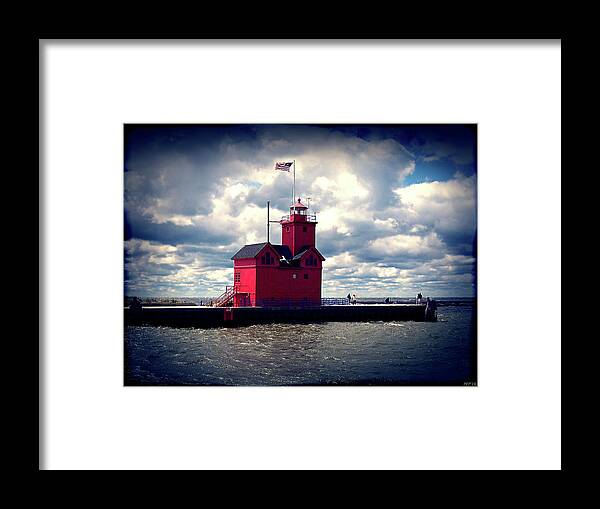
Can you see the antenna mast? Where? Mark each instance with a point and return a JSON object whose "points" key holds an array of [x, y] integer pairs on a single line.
{"points": [[268, 222]]}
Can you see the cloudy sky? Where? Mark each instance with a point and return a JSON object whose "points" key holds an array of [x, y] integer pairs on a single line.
{"points": [[396, 205]]}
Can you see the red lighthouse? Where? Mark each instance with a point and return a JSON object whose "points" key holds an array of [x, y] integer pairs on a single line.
{"points": [[275, 275]]}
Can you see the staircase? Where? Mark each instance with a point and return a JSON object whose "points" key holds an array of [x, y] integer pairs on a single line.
{"points": [[226, 298]]}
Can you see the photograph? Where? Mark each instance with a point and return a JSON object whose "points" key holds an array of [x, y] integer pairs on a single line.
{"points": [[300, 254]]}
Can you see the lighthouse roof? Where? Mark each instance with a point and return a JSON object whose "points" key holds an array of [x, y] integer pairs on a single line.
{"points": [[252, 251], [299, 205]]}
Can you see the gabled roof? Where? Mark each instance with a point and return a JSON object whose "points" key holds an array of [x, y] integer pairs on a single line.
{"points": [[283, 251], [304, 250], [253, 250], [249, 251]]}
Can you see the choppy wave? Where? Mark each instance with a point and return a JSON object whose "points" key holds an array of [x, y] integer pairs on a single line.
{"points": [[334, 353]]}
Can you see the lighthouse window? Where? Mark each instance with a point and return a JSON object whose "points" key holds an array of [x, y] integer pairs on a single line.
{"points": [[287, 228], [267, 259], [293, 276], [236, 278]]}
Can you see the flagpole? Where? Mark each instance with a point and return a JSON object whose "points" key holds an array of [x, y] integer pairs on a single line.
{"points": [[294, 189]]}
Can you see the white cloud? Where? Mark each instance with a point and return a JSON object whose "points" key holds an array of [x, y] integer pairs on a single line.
{"points": [[411, 245], [373, 229], [449, 207]]}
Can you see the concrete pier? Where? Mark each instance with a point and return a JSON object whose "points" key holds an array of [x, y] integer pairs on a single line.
{"points": [[206, 317]]}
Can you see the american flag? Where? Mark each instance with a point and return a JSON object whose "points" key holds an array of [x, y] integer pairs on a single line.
{"points": [[283, 166]]}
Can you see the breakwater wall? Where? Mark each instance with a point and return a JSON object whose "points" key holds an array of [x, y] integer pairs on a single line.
{"points": [[205, 317]]}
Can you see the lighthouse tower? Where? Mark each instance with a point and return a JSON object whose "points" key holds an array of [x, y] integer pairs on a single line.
{"points": [[279, 275], [298, 229]]}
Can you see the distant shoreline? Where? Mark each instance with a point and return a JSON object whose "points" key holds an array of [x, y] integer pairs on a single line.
{"points": [[197, 301]]}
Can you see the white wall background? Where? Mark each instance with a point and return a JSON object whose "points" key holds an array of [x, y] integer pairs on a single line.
{"points": [[512, 420]]}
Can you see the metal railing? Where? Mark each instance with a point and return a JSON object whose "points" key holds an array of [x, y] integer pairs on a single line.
{"points": [[227, 296], [303, 302], [310, 218], [334, 301], [289, 303]]}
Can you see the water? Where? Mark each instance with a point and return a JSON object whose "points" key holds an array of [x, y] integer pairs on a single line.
{"points": [[334, 353]]}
